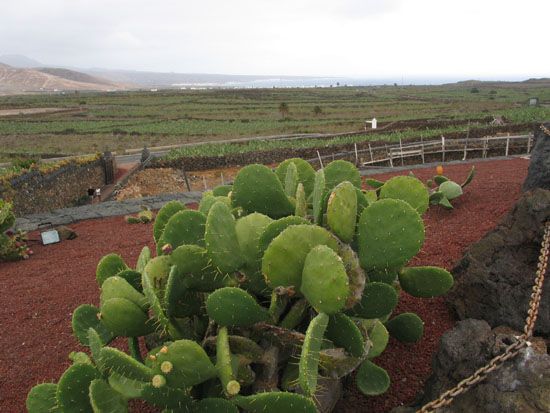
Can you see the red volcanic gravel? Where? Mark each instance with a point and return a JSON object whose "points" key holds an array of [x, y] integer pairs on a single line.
{"points": [[38, 295]]}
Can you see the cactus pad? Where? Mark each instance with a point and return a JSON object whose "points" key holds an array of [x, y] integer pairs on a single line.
{"points": [[318, 196], [104, 399], [184, 363], [306, 173], [340, 171], [425, 281], [257, 189], [73, 388], [301, 203], [87, 316], [406, 327], [164, 214], [371, 379], [193, 264], [283, 261], [378, 300], [324, 280], [42, 398], [173, 400], [343, 332], [408, 189], [232, 306], [342, 211], [222, 190], [121, 363], [275, 228], [184, 227], [208, 201], [275, 402], [143, 259], [379, 337], [309, 358], [391, 232], [450, 189], [124, 318], [108, 266], [118, 287], [215, 405], [291, 179]]}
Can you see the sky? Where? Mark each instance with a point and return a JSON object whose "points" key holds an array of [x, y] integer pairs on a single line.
{"points": [[467, 39]]}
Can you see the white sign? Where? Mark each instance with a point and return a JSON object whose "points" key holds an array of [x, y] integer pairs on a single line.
{"points": [[50, 237]]}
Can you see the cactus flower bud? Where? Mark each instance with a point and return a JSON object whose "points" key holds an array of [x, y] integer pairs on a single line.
{"points": [[158, 381], [166, 367], [439, 170], [167, 249]]}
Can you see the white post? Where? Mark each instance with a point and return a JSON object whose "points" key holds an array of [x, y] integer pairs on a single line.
{"points": [[442, 148], [204, 183], [221, 175], [507, 145], [389, 155], [528, 144], [422, 148], [320, 160], [356, 155], [401, 150], [370, 151]]}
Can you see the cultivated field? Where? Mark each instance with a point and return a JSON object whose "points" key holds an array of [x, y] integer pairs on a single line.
{"points": [[123, 120]]}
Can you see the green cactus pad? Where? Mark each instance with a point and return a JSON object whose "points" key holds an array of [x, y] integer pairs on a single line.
{"points": [[391, 232], [156, 306], [406, 327], [362, 201], [342, 211], [118, 287], [469, 177], [301, 203], [232, 306], [374, 183], [224, 365], [371, 196], [325, 282], [249, 230], [275, 228], [143, 259], [164, 214], [291, 179], [108, 266], [295, 315], [73, 388], [371, 379], [193, 263], [133, 277], [257, 189], [436, 197], [157, 271], [309, 358], [184, 227], [284, 259], [208, 201], [439, 179], [379, 337], [128, 388], [343, 332], [275, 402], [408, 189], [42, 398], [356, 274], [425, 281], [221, 239], [450, 189], [306, 173], [340, 171], [319, 190], [179, 301], [190, 364], [175, 400], [222, 190], [378, 300], [444, 202], [104, 399], [124, 318], [121, 363], [215, 405], [87, 316]]}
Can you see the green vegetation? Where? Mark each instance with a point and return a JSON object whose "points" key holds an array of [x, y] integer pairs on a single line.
{"points": [[118, 121], [252, 288]]}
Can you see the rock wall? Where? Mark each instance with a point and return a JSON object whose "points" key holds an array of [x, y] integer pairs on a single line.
{"points": [[67, 186]]}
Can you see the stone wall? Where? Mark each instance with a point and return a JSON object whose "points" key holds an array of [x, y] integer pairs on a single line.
{"points": [[36, 192]]}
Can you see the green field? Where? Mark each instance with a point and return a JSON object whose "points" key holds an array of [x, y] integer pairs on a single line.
{"points": [[118, 121]]}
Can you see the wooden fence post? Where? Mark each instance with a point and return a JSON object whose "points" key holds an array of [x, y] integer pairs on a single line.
{"points": [[356, 155], [528, 144], [371, 157], [185, 177], [507, 146], [442, 148], [320, 160], [466, 143], [401, 150]]}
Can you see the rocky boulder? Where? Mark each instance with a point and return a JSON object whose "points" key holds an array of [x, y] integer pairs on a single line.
{"points": [[538, 175], [493, 280], [521, 384]]}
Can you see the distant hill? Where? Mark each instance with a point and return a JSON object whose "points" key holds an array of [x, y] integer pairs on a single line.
{"points": [[74, 75], [18, 80], [17, 60]]}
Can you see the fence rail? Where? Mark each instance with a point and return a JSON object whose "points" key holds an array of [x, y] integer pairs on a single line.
{"points": [[434, 150]]}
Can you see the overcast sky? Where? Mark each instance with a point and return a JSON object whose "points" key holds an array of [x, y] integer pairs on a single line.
{"points": [[361, 38]]}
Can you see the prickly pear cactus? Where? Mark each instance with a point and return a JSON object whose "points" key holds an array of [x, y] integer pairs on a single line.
{"points": [[284, 280]]}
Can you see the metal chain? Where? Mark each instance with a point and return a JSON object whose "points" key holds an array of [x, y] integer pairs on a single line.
{"points": [[511, 351], [545, 129]]}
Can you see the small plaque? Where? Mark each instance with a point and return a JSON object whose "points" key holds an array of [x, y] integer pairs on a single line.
{"points": [[50, 237]]}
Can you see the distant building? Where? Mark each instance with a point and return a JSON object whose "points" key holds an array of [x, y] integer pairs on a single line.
{"points": [[533, 101]]}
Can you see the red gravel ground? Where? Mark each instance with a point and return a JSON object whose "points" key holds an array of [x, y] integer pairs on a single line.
{"points": [[37, 296]]}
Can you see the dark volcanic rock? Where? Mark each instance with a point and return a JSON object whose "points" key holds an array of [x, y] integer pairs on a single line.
{"points": [[493, 281], [538, 175], [521, 384]]}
